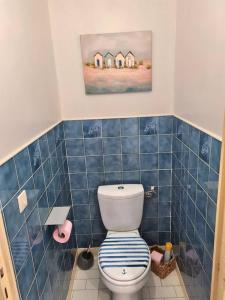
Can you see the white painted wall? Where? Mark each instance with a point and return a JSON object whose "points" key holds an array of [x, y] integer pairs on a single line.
{"points": [[71, 18], [200, 63], [28, 87]]}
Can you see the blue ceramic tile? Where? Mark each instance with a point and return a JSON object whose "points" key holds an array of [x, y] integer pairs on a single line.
{"points": [[47, 293], [164, 223], [83, 240], [164, 237], [192, 188], [95, 211], [23, 166], [11, 212], [43, 143], [201, 200], [51, 194], [194, 138], [113, 177], [211, 214], [149, 161], [149, 178], [207, 265], [97, 239], [94, 163], [203, 174], [164, 209], [26, 277], [42, 275], [213, 184], [97, 226], [47, 171], [92, 128], [75, 147], [200, 223], [112, 163], [43, 208], [150, 224], [131, 177], [76, 164], [20, 248], [79, 197], [151, 238], [129, 126], [215, 155], [95, 179], [164, 193], [192, 164], [111, 127], [130, 145], [81, 212], [165, 125], [35, 155], [149, 125], [205, 146], [93, 196], [78, 181], [39, 182], [93, 146], [164, 177], [150, 209], [130, 162], [8, 181], [165, 161], [190, 208], [165, 143], [73, 129], [149, 144], [33, 293], [51, 141], [209, 239], [83, 227], [111, 145]]}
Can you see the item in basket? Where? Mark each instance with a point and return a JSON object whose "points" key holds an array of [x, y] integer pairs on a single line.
{"points": [[168, 252], [156, 257]]}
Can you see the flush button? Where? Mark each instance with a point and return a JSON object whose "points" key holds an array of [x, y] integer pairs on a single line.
{"points": [[124, 272], [120, 187]]}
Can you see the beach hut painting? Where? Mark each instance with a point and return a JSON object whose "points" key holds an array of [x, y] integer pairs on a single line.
{"points": [[117, 62]]}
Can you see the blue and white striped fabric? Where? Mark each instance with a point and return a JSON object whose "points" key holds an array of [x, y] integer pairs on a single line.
{"points": [[123, 257]]}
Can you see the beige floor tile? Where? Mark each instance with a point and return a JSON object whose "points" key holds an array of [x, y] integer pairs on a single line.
{"points": [[179, 291], [154, 280], [104, 294], [174, 299], [79, 284], [162, 292], [145, 293], [171, 280], [92, 284], [85, 295], [89, 274]]}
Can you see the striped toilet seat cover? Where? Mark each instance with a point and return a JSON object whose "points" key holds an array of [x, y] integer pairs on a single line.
{"points": [[123, 258]]}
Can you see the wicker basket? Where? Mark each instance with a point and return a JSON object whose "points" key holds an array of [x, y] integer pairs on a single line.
{"points": [[164, 269]]}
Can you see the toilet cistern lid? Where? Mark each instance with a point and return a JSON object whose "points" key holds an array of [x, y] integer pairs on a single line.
{"points": [[124, 258], [120, 191]]}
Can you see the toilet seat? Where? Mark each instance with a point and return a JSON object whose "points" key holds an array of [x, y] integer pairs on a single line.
{"points": [[123, 256]]}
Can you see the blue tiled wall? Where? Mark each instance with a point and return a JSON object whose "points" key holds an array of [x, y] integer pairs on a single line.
{"points": [[41, 265], [114, 151], [196, 158]]}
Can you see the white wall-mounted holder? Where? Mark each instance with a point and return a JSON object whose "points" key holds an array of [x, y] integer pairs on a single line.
{"points": [[58, 215]]}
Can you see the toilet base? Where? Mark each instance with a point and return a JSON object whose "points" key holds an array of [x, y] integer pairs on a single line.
{"points": [[132, 296]]}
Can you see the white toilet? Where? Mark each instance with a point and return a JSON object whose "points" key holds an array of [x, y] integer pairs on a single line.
{"points": [[124, 258]]}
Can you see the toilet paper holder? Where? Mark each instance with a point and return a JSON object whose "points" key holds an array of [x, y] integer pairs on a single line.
{"points": [[58, 216], [150, 192]]}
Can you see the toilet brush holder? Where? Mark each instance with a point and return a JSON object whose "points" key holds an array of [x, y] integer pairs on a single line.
{"points": [[85, 259]]}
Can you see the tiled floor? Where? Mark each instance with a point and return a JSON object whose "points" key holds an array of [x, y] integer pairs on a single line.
{"points": [[87, 285]]}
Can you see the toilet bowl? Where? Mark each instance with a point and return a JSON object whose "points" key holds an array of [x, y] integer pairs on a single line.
{"points": [[124, 258], [124, 263]]}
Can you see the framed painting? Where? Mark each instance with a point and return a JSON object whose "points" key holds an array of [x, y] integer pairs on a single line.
{"points": [[117, 62]]}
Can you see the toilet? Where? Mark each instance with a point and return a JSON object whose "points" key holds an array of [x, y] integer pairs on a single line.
{"points": [[124, 258]]}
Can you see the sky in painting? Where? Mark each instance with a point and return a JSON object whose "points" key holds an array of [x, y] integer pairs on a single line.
{"points": [[139, 43]]}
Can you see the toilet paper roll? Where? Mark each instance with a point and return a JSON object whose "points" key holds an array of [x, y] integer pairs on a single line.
{"points": [[62, 233]]}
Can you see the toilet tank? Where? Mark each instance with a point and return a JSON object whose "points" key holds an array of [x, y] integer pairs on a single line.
{"points": [[121, 206]]}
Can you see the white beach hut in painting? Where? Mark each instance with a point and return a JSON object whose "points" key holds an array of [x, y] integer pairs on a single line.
{"points": [[98, 60], [109, 60], [120, 60], [130, 60]]}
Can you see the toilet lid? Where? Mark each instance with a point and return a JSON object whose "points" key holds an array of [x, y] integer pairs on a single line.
{"points": [[123, 258]]}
